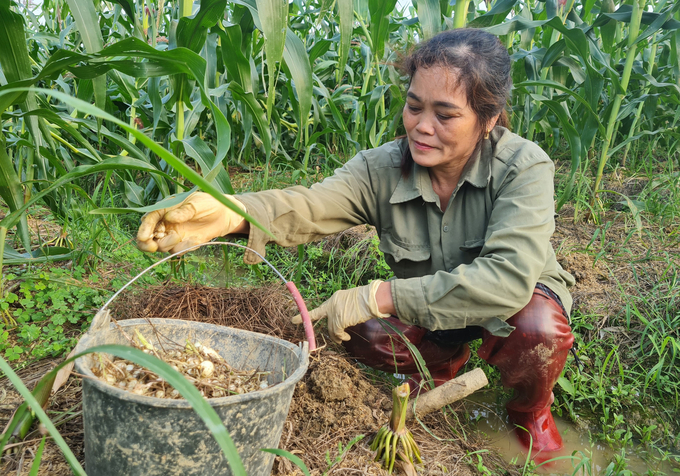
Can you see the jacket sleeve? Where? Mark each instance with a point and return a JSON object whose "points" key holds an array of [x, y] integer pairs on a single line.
{"points": [[298, 215], [500, 281]]}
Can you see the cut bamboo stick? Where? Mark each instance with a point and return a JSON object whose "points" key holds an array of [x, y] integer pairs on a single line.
{"points": [[447, 393]]}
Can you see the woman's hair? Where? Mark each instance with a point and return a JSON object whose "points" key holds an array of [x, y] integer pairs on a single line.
{"points": [[481, 66]]}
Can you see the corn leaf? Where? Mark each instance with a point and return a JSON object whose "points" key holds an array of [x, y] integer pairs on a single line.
{"points": [[561, 87], [42, 416], [295, 56], [346, 22], [128, 6], [42, 255], [273, 16], [193, 32], [379, 28], [63, 122], [212, 170], [290, 456], [164, 154], [133, 193], [235, 62], [114, 163], [170, 201], [362, 10], [574, 143], [16, 66], [88, 25], [430, 17], [518, 23], [248, 99], [497, 14], [14, 60], [35, 467], [153, 91], [624, 13]]}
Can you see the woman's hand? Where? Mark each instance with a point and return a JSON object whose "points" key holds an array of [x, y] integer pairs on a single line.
{"points": [[198, 219], [347, 308]]}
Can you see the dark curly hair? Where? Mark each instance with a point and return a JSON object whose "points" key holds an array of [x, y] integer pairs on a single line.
{"points": [[481, 65]]}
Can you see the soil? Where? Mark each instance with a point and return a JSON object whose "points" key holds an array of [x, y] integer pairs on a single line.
{"points": [[42, 230], [332, 405], [337, 401], [610, 267], [64, 408]]}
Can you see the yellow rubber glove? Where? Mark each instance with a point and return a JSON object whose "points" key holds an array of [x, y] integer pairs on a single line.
{"points": [[347, 308], [198, 219]]}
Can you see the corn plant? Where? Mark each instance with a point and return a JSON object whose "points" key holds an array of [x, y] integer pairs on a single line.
{"points": [[573, 67], [261, 83], [111, 107]]}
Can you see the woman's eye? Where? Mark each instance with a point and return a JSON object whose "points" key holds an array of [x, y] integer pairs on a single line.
{"points": [[442, 117], [413, 108]]}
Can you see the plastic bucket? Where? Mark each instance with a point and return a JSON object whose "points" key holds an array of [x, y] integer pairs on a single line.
{"points": [[128, 434]]}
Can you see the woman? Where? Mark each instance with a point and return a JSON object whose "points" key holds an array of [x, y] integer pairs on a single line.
{"points": [[464, 211]]}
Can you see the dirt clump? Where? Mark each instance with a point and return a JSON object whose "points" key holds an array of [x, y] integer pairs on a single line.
{"points": [[355, 238], [333, 386], [338, 396], [592, 289], [336, 409]]}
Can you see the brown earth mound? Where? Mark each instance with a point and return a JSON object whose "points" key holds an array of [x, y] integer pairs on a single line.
{"points": [[333, 404], [613, 264], [336, 403]]}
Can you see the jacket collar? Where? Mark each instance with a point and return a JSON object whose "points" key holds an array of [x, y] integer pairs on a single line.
{"points": [[477, 172]]}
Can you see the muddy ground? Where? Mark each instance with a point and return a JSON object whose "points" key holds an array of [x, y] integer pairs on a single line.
{"points": [[336, 402], [333, 404]]}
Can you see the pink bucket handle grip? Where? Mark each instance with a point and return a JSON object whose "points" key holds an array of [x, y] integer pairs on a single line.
{"points": [[306, 320]]}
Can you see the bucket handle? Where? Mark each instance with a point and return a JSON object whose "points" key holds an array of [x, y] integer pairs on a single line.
{"points": [[101, 317]]}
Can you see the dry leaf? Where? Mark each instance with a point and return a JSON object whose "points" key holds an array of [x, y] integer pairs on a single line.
{"points": [[63, 374]]}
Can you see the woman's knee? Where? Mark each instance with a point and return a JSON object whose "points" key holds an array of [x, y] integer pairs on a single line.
{"points": [[542, 320], [541, 329]]}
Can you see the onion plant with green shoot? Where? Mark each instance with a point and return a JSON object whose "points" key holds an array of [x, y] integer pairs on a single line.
{"points": [[394, 440]]}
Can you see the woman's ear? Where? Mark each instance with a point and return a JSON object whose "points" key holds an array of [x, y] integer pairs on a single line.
{"points": [[492, 123]]}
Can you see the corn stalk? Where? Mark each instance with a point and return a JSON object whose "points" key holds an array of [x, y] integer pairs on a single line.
{"points": [[633, 31]]}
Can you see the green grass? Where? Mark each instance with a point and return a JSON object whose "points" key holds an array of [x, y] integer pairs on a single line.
{"points": [[629, 389], [628, 392], [211, 112]]}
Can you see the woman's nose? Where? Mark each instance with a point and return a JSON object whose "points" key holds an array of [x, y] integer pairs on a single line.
{"points": [[425, 125]]}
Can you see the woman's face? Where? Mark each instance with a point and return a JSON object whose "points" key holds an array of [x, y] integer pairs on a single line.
{"points": [[442, 130]]}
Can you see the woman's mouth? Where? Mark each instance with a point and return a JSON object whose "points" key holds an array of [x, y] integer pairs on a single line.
{"points": [[422, 146]]}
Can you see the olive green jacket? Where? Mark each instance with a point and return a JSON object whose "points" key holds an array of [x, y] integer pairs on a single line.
{"points": [[476, 264]]}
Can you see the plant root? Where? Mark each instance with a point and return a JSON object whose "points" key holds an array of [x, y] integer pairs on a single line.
{"points": [[200, 364], [393, 440]]}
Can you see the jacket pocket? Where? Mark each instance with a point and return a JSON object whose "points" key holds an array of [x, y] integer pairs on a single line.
{"points": [[473, 246], [471, 249], [400, 251], [406, 260]]}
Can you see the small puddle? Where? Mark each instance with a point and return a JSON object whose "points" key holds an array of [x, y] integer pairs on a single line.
{"points": [[491, 421]]}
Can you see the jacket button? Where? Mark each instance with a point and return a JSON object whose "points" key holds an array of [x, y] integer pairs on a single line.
{"points": [[446, 228]]}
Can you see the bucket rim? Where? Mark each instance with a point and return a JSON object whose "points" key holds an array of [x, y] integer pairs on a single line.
{"points": [[301, 350]]}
